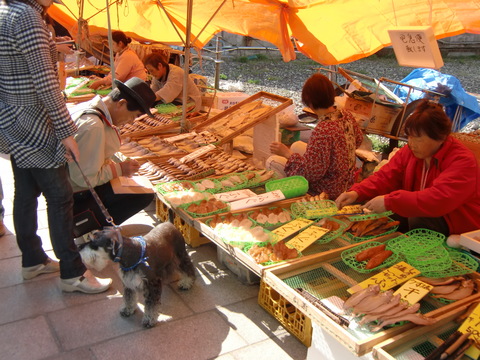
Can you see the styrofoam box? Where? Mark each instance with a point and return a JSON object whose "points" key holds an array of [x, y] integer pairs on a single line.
{"points": [[471, 240], [225, 100]]}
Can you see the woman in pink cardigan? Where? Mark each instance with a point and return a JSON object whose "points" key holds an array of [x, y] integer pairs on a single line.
{"points": [[127, 63], [432, 183]]}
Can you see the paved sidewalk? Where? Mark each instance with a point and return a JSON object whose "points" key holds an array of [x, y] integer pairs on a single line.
{"points": [[219, 318]]}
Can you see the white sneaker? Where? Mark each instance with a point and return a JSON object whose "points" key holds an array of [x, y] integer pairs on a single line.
{"points": [[50, 266], [87, 283]]}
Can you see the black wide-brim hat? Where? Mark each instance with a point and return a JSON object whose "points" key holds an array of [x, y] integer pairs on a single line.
{"points": [[139, 91]]}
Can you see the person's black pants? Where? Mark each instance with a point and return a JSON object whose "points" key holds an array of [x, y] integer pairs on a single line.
{"points": [[120, 206]]}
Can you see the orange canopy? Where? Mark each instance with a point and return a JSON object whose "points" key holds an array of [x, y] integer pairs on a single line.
{"points": [[329, 31]]}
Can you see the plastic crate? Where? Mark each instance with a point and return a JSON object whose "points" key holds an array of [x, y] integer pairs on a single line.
{"points": [[162, 210], [292, 319], [192, 236], [291, 186]]}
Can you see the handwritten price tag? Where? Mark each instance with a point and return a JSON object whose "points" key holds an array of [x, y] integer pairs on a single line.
{"points": [[257, 200], [306, 238], [472, 325], [235, 195], [291, 227], [389, 278], [413, 290]]}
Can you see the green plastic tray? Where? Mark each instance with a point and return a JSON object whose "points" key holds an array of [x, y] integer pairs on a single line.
{"points": [[462, 264], [331, 234], [313, 209], [291, 186], [416, 241], [356, 239]]}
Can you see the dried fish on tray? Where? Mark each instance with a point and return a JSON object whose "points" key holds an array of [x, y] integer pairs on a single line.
{"points": [[144, 122], [244, 115]]}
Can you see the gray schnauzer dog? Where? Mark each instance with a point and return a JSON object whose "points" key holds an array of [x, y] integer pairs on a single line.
{"points": [[145, 263]]}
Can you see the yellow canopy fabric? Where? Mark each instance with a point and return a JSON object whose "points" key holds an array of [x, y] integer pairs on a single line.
{"points": [[329, 31]]}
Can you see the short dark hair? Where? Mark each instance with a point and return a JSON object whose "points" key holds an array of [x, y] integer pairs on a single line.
{"points": [[119, 36], [430, 119], [154, 59], [132, 104], [318, 92]]}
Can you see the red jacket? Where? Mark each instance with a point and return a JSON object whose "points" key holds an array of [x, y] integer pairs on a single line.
{"points": [[452, 188]]}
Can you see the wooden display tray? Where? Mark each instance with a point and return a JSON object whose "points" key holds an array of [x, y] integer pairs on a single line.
{"points": [[267, 98], [341, 281], [390, 349]]}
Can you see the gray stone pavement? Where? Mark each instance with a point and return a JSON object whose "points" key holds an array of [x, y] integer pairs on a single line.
{"points": [[219, 318]]}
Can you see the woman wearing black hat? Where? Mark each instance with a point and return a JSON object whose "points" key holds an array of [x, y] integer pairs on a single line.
{"points": [[98, 140]]}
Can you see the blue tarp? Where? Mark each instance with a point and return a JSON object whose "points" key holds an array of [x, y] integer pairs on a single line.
{"points": [[448, 85]]}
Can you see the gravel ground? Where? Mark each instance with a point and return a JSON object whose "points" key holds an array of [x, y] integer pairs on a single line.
{"points": [[269, 73]]}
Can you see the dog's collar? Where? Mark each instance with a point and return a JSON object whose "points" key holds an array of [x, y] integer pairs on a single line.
{"points": [[143, 259]]}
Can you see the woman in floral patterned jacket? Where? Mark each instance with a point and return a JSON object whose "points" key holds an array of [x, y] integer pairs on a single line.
{"points": [[328, 162]]}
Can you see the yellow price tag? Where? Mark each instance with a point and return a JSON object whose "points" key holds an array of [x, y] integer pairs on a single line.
{"points": [[291, 228], [413, 290], [306, 238], [472, 326], [389, 278]]}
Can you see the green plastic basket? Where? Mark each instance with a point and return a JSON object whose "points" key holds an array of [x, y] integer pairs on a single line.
{"points": [[269, 224], [291, 186], [170, 186], [236, 186], [216, 189], [233, 236], [416, 241], [331, 234], [266, 263], [462, 264], [434, 259], [348, 257], [371, 216], [356, 239], [197, 215], [313, 209]]}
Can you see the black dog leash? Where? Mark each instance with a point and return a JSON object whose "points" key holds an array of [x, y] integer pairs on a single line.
{"points": [[104, 210]]}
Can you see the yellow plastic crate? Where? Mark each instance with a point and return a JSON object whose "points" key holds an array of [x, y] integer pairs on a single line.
{"points": [[192, 236], [161, 210], [287, 314]]}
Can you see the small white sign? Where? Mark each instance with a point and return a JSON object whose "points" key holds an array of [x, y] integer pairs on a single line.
{"points": [[416, 46], [257, 200], [235, 195]]}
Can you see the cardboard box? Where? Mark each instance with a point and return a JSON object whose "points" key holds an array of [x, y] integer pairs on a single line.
{"points": [[226, 100], [374, 117]]}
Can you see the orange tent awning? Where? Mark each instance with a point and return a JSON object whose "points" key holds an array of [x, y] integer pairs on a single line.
{"points": [[329, 31]]}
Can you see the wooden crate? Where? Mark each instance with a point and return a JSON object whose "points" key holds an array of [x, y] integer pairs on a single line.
{"points": [[420, 341], [338, 282], [278, 103]]}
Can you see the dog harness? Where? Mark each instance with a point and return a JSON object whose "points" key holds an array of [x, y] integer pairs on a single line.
{"points": [[143, 259]]}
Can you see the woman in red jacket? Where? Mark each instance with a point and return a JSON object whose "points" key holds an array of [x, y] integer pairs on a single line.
{"points": [[432, 183]]}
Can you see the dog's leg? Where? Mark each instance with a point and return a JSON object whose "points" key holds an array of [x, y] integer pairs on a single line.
{"points": [[129, 302], [152, 292], [187, 271]]}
